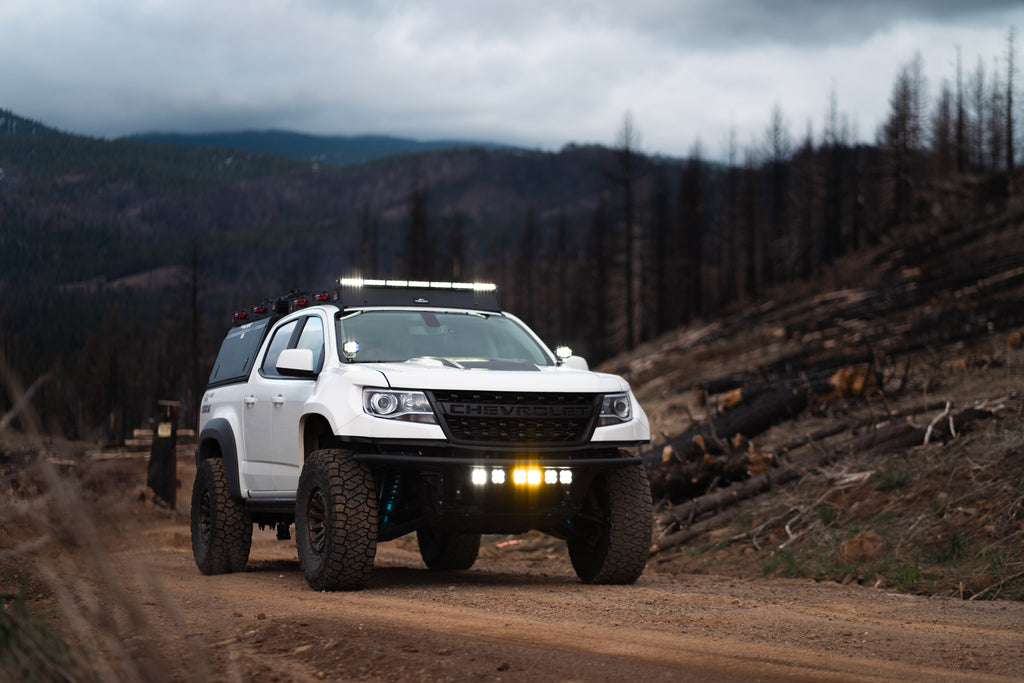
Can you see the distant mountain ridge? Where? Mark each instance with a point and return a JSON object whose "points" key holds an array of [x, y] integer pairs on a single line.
{"points": [[337, 150]]}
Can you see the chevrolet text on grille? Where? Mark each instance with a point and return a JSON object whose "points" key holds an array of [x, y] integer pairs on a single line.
{"points": [[476, 410]]}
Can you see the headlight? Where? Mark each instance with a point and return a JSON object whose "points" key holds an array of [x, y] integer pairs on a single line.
{"points": [[398, 405], [615, 408]]}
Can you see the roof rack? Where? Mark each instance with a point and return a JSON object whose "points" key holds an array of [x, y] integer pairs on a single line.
{"points": [[281, 305]]}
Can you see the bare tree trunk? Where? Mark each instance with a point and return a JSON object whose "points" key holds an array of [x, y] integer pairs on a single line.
{"points": [[1010, 39], [691, 233], [195, 381], [961, 141], [628, 142]]}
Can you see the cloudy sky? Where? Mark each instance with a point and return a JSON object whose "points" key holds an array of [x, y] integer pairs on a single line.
{"points": [[537, 73]]}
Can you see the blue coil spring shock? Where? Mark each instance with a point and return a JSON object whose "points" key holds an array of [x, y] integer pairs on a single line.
{"points": [[390, 497]]}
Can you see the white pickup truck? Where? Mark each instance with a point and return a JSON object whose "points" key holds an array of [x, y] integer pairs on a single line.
{"points": [[381, 408]]}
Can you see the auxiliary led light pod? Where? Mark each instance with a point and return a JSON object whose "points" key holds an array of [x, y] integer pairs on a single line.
{"points": [[521, 476]]}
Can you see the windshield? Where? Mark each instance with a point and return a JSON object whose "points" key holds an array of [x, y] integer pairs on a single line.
{"points": [[396, 336]]}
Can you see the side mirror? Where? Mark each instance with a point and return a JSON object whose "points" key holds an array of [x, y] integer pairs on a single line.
{"points": [[576, 363], [565, 357], [296, 363]]}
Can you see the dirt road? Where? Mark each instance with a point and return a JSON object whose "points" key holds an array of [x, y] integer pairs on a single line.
{"points": [[520, 614], [511, 619]]}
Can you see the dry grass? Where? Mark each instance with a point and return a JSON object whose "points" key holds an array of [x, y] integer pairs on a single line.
{"points": [[75, 606]]}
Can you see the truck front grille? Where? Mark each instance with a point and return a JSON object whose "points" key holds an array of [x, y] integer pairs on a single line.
{"points": [[521, 418]]}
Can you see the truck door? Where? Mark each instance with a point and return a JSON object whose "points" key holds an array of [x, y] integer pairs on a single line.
{"points": [[290, 399], [260, 398]]}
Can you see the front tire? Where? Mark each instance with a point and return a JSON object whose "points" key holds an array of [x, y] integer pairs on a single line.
{"points": [[221, 529], [616, 542], [444, 551], [336, 521]]}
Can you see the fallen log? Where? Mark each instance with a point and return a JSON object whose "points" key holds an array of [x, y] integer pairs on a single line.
{"points": [[787, 369], [817, 436], [771, 404], [692, 531]]}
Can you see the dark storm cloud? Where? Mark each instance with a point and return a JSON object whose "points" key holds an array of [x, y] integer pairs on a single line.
{"points": [[531, 72], [705, 24], [717, 25]]}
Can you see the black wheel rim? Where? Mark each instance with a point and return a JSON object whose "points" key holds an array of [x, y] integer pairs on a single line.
{"points": [[595, 518], [205, 518], [316, 521]]}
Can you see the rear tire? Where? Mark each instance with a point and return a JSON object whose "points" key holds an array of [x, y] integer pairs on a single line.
{"points": [[444, 551], [221, 529], [616, 547], [336, 521]]}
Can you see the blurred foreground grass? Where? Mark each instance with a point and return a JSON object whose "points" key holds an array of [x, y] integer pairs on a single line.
{"points": [[76, 603]]}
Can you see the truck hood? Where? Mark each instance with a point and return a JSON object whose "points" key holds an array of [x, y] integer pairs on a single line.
{"points": [[490, 375]]}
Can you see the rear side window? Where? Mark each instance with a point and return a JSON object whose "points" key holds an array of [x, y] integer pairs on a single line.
{"points": [[238, 353]]}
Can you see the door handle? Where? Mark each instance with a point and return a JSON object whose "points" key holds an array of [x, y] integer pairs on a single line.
{"points": [[278, 400], [249, 400]]}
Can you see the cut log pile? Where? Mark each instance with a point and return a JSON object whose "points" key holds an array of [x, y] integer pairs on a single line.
{"points": [[953, 286], [718, 451], [678, 523]]}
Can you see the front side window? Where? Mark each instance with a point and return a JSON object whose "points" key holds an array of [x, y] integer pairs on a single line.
{"points": [[396, 336], [278, 343], [302, 333], [312, 338]]}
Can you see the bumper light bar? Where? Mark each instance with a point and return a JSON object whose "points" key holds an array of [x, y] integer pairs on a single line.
{"points": [[521, 476]]}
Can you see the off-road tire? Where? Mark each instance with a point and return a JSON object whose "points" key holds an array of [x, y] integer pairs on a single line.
{"points": [[444, 551], [221, 529], [336, 521], [615, 549]]}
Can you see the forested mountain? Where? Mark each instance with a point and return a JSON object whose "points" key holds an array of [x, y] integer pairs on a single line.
{"points": [[337, 150], [123, 207], [120, 261]]}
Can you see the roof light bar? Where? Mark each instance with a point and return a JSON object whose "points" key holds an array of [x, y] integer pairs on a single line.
{"points": [[472, 286], [357, 291]]}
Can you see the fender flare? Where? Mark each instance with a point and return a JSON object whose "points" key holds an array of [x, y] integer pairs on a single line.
{"points": [[219, 430]]}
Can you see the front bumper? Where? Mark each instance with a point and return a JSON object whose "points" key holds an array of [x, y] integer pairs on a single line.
{"points": [[485, 491], [416, 461]]}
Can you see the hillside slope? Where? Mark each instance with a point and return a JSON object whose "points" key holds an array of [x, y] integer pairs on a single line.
{"points": [[920, 335]]}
